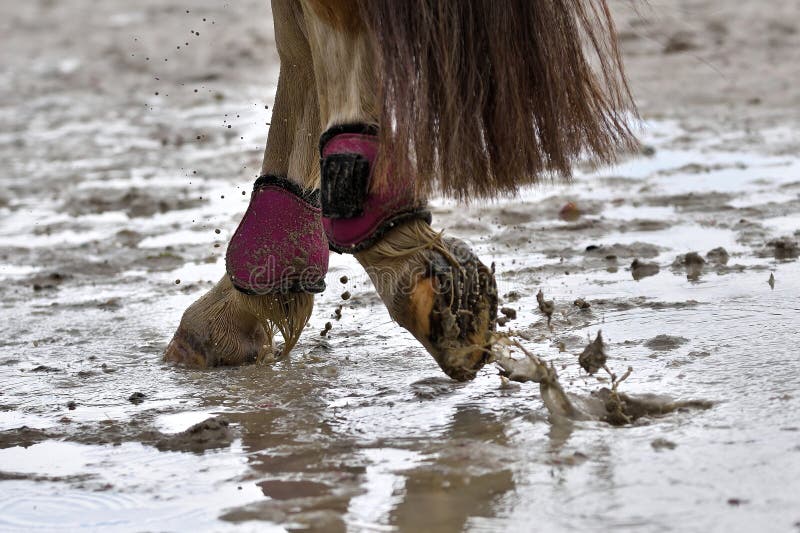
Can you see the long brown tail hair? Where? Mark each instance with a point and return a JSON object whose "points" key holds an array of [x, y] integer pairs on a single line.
{"points": [[481, 96]]}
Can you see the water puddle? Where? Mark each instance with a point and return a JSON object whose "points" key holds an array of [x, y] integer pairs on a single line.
{"points": [[359, 429]]}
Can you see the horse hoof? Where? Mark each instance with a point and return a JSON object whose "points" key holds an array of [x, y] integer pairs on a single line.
{"points": [[441, 293], [218, 348], [456, 303], [185, 350], [216, 330]]}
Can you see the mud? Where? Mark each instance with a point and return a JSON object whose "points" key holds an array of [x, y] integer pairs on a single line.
{"points": [[593, 357], [643, 269], [607, 405], [111, 193], [665, 342]]}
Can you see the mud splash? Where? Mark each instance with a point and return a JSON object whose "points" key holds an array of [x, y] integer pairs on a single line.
{"points": [[604, 404]]}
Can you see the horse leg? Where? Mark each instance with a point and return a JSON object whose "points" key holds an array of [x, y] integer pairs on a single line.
{"points": [[227, 326], [433, 286]]}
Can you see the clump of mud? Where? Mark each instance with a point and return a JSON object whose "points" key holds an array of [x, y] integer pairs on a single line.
{"points": [[581, 304], [782, 249], [643, 269], [664, 343], [718, 256], [49, 281], [206, 435], [692, 263], [593, 357]]}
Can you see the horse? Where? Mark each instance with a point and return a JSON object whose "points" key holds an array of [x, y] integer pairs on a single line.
{"points": [[381, 104]]}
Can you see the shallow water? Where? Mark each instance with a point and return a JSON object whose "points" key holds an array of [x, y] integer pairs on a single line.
{"points": [[102, 210], [360, 429]]}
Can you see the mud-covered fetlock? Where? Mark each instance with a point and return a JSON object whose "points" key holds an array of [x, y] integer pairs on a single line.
{"points": [[227, 327], [218, 330], [437, 289], [284, 313]]}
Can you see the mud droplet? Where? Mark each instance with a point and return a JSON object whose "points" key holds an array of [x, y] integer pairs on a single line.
{"points": [[771, 280], [328, 327], [343, 279], [346, 295], [136, 398], [71, 405], [510, 312], [217, 231], [177, 282], [663, 444]]}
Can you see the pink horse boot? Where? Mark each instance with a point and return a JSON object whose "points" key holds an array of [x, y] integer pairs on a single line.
{"points": [[355, 215], [280, 245]]}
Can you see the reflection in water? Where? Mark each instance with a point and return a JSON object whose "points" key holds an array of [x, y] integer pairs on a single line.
{"points": [[464, 476]]}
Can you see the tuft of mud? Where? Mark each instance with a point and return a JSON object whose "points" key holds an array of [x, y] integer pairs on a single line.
{"points": [[718, 256], [23, 436], [663, 444], [782, 249], [665, 343], [642, 269], [206, 435], [692, 263]]}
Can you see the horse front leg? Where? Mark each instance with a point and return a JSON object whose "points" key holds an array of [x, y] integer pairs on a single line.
{"points": [[433, 286], [278, 256]]}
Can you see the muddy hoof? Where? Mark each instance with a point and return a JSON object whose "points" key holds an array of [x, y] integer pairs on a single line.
{"points": [[441, 293], [216, 330], [187, 349], [460, 302]]}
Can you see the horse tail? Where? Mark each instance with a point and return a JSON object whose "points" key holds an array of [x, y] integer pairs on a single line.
{"points": [[480, 97]]}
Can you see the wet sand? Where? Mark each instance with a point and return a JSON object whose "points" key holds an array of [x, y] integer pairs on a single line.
{"points": [[110, 201]]}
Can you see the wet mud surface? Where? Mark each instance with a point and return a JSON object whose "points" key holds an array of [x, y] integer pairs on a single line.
{"points": [[115, 209]]}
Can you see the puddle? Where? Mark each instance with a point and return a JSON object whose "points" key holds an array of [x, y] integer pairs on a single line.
{"points": [[360, 430]]}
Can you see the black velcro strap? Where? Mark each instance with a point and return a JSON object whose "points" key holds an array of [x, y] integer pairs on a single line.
{"points": [[345, 181]]}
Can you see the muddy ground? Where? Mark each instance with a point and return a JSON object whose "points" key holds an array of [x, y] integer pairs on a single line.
{"points": [[131, 132]]}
